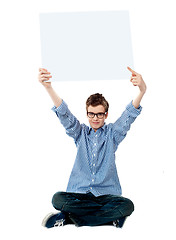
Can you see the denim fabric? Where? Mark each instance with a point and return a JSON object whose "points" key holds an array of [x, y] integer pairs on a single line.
{"points": [[89, 210], [94, 169]]}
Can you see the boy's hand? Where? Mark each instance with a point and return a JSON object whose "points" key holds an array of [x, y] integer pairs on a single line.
{"points": [[44, 76], [137, 80]]}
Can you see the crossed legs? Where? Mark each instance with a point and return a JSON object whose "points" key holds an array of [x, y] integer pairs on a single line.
{"points": [[88, 210]]}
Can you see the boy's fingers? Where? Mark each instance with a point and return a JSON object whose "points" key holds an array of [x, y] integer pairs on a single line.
{"points": [[43, 70], [131, 70], [46, 76]]}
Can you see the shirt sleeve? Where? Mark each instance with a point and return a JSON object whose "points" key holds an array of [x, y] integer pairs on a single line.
{"points": [[123, 124], [68, 120]]}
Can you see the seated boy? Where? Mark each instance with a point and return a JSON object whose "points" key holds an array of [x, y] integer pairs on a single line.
{"points": [[93, 195]]}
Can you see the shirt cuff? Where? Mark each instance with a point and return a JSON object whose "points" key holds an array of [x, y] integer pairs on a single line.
{"points": [[62, 109], [134, 112]]}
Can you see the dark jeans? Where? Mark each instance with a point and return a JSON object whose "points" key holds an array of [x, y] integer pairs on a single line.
{"points": [[88, 210]]}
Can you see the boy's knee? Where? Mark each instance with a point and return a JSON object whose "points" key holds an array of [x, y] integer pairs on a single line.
{"points": [[130, 205], [57, 200]]}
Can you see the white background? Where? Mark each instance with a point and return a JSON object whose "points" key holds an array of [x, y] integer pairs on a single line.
{"points": [[37, 156]]}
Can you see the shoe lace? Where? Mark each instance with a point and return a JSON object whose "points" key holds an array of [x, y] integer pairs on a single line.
{"points": [[116, 223], [59, 223]]}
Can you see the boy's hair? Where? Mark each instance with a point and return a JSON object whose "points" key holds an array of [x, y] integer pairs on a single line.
{"points": [[97, 99]]}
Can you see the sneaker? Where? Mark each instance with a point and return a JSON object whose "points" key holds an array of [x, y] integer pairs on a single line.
{"points": [[120, 222], [54, 220]]}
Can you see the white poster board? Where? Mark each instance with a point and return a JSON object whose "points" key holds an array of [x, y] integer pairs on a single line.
{"points": [[86, 45]]}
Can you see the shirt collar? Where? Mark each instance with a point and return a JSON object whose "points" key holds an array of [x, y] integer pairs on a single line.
{"points": [[90, 128]]}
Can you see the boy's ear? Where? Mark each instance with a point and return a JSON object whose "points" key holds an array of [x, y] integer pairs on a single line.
{"points": [[106, 115]]}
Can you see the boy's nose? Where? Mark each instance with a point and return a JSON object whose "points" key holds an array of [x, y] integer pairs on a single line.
{"points": [[95, 117]]}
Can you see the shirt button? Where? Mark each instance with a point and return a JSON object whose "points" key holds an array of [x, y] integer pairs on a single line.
{"points": [[94, 164], [95, 144], [94, 154], [91, 188], [92, 180], [93, 173]]}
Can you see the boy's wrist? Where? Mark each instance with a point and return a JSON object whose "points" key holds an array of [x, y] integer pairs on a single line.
{"points": [[48, 87], [143, 90]]}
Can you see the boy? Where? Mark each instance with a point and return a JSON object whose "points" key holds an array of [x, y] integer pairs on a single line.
{"points": [[93, 195]]}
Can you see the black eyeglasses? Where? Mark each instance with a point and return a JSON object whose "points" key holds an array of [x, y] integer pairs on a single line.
{"points": [[99, 115]]}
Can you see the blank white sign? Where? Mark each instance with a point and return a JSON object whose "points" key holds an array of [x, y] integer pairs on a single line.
{"points": [[86, 45]]}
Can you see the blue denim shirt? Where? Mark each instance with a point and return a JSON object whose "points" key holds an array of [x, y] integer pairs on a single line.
{"points": [[94, 169]]}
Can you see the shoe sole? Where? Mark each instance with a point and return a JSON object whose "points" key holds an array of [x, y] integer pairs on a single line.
{"points": [[46, 219]]}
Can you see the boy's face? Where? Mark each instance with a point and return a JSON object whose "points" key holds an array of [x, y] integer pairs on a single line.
{"points": [[96, 121]]}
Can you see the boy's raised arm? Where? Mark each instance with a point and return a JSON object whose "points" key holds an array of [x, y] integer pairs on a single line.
{"points": [[137, 80], [44, 76]]}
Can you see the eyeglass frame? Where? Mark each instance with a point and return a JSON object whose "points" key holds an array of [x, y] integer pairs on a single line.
{"points": [[96, 114]]}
